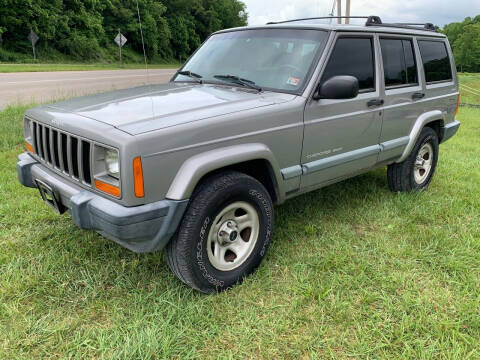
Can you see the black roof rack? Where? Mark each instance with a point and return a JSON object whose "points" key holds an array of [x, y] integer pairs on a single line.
{"points": [[371, 21], [376, 21], [319, 18]]}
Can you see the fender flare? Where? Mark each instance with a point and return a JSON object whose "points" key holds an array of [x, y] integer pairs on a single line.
{"points": [[420, 123], [196, 167]]}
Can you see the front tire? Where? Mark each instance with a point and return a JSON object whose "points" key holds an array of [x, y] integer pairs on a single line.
{"points": [[224, 234], [416, 172]]}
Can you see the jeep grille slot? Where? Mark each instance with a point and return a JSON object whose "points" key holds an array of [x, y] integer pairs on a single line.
{"points": [[46, 144], [63, 152], [63, 144], [39, 140], [54, 147], [85, 165], [34, 142], [74, 155]]}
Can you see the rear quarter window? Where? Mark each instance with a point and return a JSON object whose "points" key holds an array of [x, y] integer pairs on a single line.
{"points": [[436, 61]]}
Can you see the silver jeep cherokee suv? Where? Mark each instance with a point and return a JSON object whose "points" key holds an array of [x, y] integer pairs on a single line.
{"points": [[256, 116]]}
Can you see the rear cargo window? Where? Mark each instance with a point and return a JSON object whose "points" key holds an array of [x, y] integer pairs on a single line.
{"points": [[398, 62], [435, 61], [353, 56]]}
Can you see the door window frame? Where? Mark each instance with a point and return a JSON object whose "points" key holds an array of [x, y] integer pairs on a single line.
{"points": [[372, 42], [415, 59], [328, 54]]}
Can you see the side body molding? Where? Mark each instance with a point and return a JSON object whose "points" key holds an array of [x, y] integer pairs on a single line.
{"points": [[420, 123], [194, 168]]}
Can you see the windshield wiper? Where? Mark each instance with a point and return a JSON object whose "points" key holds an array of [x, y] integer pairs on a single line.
{"points": [[238, 80], [190, 74]]}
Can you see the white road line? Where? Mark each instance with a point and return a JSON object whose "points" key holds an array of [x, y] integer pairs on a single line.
{"points": [[84, 79]]}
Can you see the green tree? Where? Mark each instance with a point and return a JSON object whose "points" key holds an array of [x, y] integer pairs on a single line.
{"points": [[85, 29], [464, 37], [466, 48]]}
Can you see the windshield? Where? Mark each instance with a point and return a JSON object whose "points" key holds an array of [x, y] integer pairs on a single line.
{"points": [[271, 59]]}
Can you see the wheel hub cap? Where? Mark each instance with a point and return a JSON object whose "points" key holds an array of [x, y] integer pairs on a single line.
{"points": [[423, 163], [232, 236], [228, 232]]}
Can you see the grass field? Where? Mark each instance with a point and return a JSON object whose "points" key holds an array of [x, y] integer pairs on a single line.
{"points": [[354, 272], [10, 68], [470, 86]]}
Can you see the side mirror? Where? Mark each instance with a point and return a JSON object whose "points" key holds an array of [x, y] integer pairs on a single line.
{"points": [[338, 87]]}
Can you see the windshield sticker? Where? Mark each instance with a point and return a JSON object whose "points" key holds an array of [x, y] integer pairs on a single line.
{"points": [[293, 81]]}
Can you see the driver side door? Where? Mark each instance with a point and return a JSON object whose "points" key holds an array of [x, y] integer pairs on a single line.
{"points": [[341, 136]]}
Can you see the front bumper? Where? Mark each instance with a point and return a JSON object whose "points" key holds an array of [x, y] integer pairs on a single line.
{"points": [[142, 229]]}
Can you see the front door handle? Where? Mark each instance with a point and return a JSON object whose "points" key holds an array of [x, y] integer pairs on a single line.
{"points": [[375, 102], [417, 96]]}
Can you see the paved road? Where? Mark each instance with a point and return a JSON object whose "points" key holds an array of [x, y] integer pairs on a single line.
{"points": [[24, 88]]}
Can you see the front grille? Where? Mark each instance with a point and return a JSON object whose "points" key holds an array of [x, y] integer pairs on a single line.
{"points": [[64, 152]]}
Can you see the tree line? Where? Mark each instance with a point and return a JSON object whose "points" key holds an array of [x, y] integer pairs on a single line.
{"points": [[85, 29], [464, 38]]}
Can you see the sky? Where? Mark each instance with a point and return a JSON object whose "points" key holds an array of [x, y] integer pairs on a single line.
{"points": [[439, 12]]}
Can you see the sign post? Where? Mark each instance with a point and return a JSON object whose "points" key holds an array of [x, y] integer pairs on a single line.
{"points": [[33, 40], [120, 40]]}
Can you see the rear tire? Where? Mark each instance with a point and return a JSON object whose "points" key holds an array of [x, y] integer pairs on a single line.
{"points": [[416, 172], [224, 234]]}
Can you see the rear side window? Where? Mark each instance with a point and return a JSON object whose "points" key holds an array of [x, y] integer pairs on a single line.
{"points": [[436, 62], [398, 62], [354, 57]]}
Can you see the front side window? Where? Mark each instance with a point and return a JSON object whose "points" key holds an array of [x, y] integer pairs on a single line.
{"points": [[398, 62], [274, 59], [353, 56], [436, 62]]}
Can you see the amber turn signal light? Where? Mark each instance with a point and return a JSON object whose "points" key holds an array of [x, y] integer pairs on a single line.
{"points": [[138, 177], [107, 188], [29, 147]]}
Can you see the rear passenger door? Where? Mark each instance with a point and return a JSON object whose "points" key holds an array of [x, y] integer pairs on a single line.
{"points": [[341, 136], [404, 93], [440, 76]]}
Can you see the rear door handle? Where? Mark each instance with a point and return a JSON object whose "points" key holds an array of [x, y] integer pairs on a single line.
{"points": [[375, 102], [418, 95]]}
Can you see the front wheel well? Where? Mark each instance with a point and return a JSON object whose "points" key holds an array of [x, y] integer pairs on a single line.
{"points": [[259, 169]]}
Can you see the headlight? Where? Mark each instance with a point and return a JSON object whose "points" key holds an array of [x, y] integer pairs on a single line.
{"points": [[27, 129], [112, 164], [27, 134], [106, 170]]}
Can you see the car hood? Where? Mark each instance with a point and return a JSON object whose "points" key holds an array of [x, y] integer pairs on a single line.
{"points": [[154, 107]]}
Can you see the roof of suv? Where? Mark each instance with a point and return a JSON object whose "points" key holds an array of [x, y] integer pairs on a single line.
{"points": [[343, 27]]}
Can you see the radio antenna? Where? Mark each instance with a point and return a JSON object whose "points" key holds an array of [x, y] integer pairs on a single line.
{"points": [[145, 56], [143, 43], [333, 10]]}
